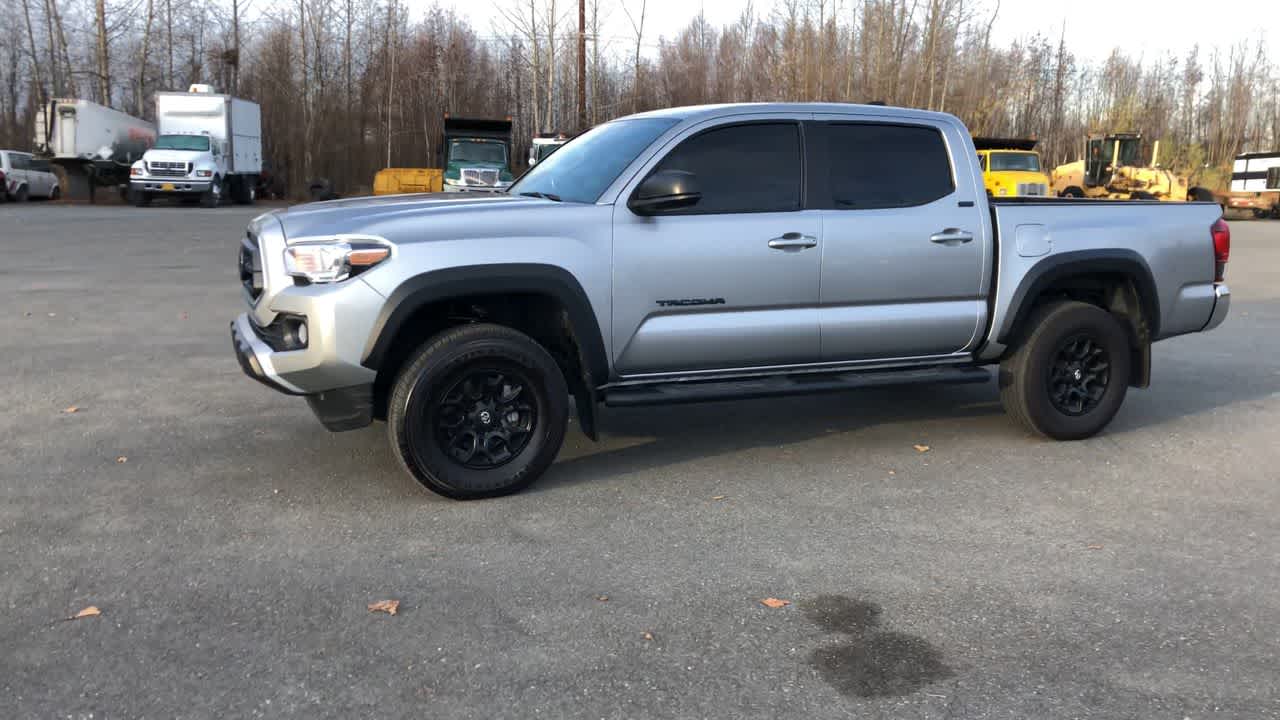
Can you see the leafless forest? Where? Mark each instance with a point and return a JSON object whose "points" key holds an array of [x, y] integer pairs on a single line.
{"points": [[351, 86]]}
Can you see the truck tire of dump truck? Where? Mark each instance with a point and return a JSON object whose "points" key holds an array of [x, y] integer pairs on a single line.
{"points": [[1070, 372]]}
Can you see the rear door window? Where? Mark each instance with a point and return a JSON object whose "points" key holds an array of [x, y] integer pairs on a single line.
{"points": [[19, 161], [865, 166], [746, 168]]}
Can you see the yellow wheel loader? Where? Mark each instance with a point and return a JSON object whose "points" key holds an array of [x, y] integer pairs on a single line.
{"points": [[1113, 169]]}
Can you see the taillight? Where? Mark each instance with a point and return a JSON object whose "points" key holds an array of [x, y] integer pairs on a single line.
{"points": [[1221, 248]]}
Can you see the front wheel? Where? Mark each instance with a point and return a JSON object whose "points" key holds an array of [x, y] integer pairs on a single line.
{"points": [[1069, 375], [141, 198], [212, 197], [478, 411], [1072, 192]]}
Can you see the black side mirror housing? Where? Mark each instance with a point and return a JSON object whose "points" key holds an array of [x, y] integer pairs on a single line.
{"points": [[665, 190]]}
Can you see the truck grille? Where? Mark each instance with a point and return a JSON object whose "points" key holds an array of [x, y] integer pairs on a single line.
{"points": [[480, 176], [250, 263], [1032, 189], [168, 169]]}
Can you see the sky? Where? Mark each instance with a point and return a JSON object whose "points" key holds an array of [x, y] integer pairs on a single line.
{"points": [[1092, 27]]}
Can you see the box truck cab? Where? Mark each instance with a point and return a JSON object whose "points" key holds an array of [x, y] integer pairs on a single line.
{"points": [[209, 147]]}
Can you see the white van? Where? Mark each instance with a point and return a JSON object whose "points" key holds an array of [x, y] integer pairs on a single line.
{"points": [[23, 176]]}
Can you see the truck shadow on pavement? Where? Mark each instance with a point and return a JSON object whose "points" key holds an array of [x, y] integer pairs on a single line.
{"points": [[869, 662]]}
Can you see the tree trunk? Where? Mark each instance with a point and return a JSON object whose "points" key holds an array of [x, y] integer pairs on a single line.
{"points": [[103, 62]]}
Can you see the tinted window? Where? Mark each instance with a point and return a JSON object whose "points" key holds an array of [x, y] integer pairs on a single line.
{"points": [[18, 161], [859, 166], [744, 168], [40, 165], [582, 169]]}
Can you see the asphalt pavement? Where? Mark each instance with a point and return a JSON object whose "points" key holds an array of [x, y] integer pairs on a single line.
{"points": [[232, 545]]}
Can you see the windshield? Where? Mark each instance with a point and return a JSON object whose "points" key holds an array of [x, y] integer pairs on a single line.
{"points": [[477, 151], [1129, 148], [541, 152], [579, 171], [1023, 162], [183, 142]]}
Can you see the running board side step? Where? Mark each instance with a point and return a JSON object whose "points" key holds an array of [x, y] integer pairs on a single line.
{"points": [[693, 391]]}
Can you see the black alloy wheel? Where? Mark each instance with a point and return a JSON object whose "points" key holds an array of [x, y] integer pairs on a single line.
{"points": [[1079, 375], [486, 417]]}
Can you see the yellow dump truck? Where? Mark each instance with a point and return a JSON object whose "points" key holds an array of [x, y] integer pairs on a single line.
{"points": [[394, 181], [1011, 167], [1113, 168]]}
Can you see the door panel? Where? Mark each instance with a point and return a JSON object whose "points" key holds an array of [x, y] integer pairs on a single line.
{"points": [[756, 305], [902, 262], [731, 282]]}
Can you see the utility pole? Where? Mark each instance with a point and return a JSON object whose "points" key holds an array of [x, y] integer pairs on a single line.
{"points": [[582, 65]]}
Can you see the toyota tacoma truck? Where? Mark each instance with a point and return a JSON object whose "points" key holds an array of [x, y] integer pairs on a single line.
{"points": [[713, 253]]}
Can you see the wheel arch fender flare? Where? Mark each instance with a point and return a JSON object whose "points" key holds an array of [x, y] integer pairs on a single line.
{"points": [[1047, 272], [554, 281]]}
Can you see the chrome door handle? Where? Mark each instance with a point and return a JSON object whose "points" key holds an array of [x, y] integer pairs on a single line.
{"points": [[793, 241], [951, 237]]}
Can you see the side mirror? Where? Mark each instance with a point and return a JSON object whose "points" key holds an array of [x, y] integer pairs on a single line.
{"points": [[665, 190]]}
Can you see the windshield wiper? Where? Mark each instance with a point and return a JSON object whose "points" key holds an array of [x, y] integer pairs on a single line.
{"points": [[547, 196]]}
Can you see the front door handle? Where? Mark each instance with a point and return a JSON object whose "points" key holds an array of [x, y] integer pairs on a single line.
{"points": [[951, 237], [793, 241]]}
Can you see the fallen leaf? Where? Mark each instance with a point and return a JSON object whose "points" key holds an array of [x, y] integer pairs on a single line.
{"points": [[775, 603], [602, 598], [648, 635], [1095, 547], [387, 606], [921, 448], [719, 497], [90, 611], [122, 460], [72, 409]]}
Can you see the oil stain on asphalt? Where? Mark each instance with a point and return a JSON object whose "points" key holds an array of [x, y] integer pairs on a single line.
{"points": [[870, 662]]}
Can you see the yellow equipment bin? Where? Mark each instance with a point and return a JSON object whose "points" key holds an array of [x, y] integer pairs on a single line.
{"points": [[395, 181]]}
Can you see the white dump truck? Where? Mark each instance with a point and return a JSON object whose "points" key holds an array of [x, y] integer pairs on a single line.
{"points": [[209, 147], [91, 145]]}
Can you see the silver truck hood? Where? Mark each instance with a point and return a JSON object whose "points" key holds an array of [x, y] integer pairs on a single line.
{"points": [[377, 214]]}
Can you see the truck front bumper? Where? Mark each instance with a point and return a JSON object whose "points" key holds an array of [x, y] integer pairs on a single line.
{"points": [[338, 409], [170, 185]]}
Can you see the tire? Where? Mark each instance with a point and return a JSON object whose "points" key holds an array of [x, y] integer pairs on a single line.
{"points": [[140, 198], [1072, 192], [1141, 195], [55, 193], [1199, 194], [1053, 340], [21, 195], [212, 197], [477, 365]]}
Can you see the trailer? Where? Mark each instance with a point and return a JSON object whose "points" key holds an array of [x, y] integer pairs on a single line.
{"points": [[1255, 185], [90, 145]]}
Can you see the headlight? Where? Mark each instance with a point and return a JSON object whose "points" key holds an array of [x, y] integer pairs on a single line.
{"points": [[135, 171], [451, 181], [334, 260], [204, 173], [1003, 191]]}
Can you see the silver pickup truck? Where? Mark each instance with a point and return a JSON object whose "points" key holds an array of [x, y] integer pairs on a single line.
{"points": [[713, 253]]}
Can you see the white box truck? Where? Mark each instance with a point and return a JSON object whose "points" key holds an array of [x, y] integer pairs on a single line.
{"points": [[90, 144], [209, 146]]}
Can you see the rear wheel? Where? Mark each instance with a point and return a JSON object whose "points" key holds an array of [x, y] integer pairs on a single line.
{"points": [[1199, 194], [1068, 377], [55, 193], [1073, 192], [478, 411]]}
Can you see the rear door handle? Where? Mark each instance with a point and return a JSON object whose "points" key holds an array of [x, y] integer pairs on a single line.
{"points": [[793, 241], [951, 237]]}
